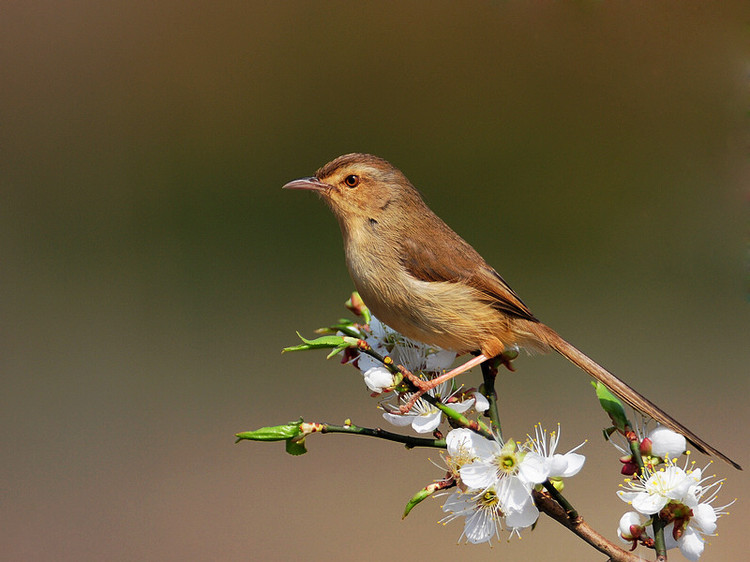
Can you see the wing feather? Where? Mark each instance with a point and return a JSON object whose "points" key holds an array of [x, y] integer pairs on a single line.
{"points": [[460, 263]]}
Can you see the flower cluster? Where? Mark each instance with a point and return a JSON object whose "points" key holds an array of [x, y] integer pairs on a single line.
{"points": [[681, 498], [665, 495], [426, 361], [495, 480]]}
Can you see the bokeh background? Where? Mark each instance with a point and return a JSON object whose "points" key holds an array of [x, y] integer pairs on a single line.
{"points": [[152, 269]]}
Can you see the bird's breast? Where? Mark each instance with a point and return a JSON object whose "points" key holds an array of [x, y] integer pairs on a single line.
{"points": [[446, 314]]}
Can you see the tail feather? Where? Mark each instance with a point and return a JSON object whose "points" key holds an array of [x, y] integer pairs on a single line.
{"points": [[627, 394]]}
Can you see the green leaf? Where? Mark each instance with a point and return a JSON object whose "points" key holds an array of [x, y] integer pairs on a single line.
{"points": [[419, 497], [272, 433], [612, 406], [336, 351], [349, 327], [322, 342]]}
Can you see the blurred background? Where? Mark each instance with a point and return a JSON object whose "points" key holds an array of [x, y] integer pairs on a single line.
{"points": [[152, 268]]}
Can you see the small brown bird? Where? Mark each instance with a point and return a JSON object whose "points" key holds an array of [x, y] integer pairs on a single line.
{"points": [[423, 280]]}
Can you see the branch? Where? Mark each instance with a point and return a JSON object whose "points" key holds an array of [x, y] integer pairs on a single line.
{"points": [[408, 440], [578, 526]]}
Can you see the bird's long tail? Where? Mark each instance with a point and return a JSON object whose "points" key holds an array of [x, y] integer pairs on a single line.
{"points": [[627, 394]]}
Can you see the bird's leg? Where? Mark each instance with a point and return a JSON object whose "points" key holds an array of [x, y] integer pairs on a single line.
{"points": [[478, 360], [424, 386]]}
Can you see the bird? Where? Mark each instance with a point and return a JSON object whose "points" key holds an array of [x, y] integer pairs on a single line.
{"points": [[422, 279]]}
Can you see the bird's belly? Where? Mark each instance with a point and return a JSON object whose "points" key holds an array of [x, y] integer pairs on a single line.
{"points": [[449, 315]]}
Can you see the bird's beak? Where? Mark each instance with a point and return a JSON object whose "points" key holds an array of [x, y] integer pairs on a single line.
{"points": [[311, 183]]}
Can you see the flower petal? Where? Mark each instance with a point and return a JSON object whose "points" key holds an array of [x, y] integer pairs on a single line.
{"points": [[397, 419], [461, 407], [480, 527], [484, 448], [705, 517], [458, 440], [573, 464], [481, 404], [691, 544], [534, 468], [478, 475], [440, 360], [459, 503], [665, 442], [523, 518], [514, 495], [426, 423], [648, 504]]}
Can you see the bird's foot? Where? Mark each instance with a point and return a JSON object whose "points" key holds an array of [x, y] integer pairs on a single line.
{"points": [[405, 408], [419, 383]]}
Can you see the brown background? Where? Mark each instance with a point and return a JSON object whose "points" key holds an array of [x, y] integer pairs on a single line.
{"points": [[151, 267]]}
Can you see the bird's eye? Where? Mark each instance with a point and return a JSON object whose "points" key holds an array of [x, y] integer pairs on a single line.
{"points": [[351, 180]]}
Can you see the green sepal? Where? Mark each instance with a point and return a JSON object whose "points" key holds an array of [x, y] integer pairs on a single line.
{"points": [[296, 446], [419, 497], [557, 483], [612, 406], [272, 433]]}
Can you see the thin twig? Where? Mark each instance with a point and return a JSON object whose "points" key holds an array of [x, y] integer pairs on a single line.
{"points": [[489, 373], [659, 544], [407, 440]]}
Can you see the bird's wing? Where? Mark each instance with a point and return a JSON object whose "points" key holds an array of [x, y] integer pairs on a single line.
{"points": [[458, 262]]}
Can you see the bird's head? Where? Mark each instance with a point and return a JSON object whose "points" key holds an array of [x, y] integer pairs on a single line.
{"points": [[361, 187]]}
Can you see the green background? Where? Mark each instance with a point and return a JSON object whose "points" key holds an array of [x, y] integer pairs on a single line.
{"points": [[596, 153]]}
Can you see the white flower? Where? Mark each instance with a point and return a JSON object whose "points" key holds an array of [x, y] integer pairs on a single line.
{"points": [[460, 446], [681, 498], [691, 544], [439, 360], [659, 488], [485, 514], [511, 472], [496, 479], [423, 416], [559, 466], [379, 330], [482, 513]]}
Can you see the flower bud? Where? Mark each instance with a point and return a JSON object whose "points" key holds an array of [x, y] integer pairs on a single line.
{"points": [[379, 379], [629, 467], [666, 442], [630, 528], [645, 447], [358, 306]]}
